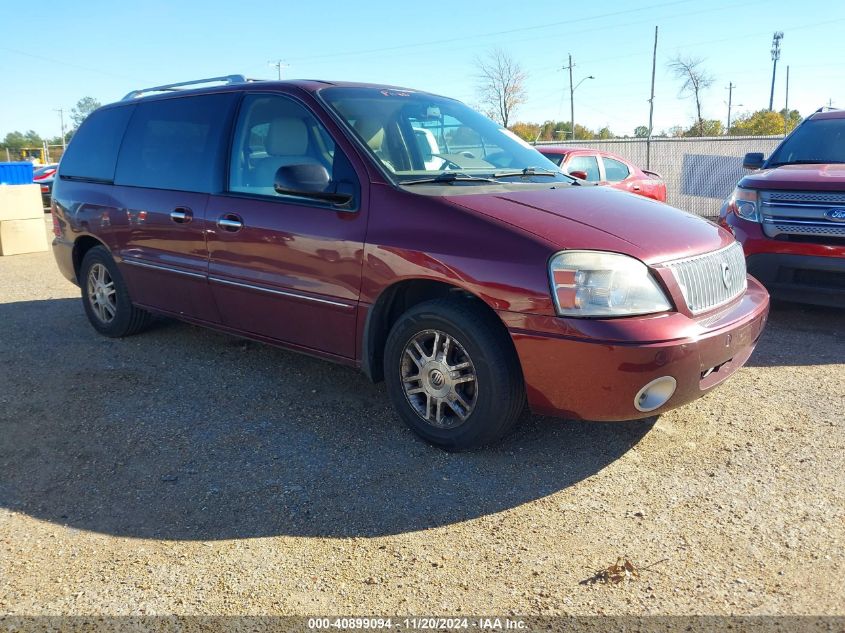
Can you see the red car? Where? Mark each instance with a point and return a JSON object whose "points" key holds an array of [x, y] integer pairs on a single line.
{"points": [[604, 168], [789, 214], [45, 171], [407, 235]]}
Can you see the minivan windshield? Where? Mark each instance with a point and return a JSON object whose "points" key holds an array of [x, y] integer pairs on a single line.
{"points": [[815, 141], [425, 139]]}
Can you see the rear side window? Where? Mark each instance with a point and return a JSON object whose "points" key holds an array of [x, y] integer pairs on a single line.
{"points": [[92, 153], [175, 143], [616, 171], [587, 164]]}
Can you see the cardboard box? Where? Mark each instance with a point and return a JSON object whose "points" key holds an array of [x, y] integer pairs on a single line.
{"points": [[20, 202], [23, 236]]}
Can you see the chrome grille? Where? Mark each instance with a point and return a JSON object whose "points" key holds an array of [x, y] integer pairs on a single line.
{"points": [[834, 198], [702, 278], [800, 213], [827, 229]]}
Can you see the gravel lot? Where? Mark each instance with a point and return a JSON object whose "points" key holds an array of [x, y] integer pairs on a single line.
{"points": [[185, 471]]}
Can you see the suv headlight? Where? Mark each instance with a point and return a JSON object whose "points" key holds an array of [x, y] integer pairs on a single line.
{"points": [[599, 284], [743, 203]]}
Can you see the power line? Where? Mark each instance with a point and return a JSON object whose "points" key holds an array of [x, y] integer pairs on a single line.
{"points": [[491, 33], [62, 63]]}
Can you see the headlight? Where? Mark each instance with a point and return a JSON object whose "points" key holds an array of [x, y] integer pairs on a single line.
{"points": [[743, 203], [597, 284]]}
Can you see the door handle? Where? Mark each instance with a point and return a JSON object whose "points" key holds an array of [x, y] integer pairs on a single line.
{"points": [[230, 222], [636, 187], [181, 215]]}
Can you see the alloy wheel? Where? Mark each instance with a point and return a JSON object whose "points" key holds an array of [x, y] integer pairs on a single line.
{"points": [[101, 293], [439, 379]]}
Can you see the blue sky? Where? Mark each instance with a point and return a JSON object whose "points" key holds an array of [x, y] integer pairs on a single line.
{"points": [[108, 48]]}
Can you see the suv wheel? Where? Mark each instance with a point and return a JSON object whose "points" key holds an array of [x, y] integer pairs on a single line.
{"points": [[453, 375], [105, 297]]}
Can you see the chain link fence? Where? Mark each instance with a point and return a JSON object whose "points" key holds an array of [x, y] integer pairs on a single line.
{"points": [[699, 172]]}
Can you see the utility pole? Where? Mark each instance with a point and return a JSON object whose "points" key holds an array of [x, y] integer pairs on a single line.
{"points": [[730, 102], [278, 64], [571, 99], [786, 106], [651, 104], [572, 90], [778, 36], [62, 119]]}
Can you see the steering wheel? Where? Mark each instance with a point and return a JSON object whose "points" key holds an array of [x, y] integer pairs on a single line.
{"points": [[448, 160]]}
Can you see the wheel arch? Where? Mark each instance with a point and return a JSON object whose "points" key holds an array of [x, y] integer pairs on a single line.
{"points": [[392, 302], [81, 246]]}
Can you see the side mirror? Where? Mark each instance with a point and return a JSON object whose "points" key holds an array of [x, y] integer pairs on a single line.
{"points": [[753, 160], [309, 180], [582, 175]]}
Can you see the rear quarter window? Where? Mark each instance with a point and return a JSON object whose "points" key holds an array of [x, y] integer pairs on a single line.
{"points": [[175, 143], [92, 153], [616, 171]]}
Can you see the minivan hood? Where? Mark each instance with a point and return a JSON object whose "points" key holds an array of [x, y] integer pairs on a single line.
{"points": [[828, 177], [601, 218]]}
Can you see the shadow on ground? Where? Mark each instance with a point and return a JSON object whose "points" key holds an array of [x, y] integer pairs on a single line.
{"points": [[183, 433], [799, 334]]}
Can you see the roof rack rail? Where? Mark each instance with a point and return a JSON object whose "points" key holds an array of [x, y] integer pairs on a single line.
{"points": [[226, 79], [826, 109]]}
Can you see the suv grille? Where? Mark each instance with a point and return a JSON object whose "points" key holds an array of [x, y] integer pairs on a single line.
{"points": [[800, 213], [710, 280]]}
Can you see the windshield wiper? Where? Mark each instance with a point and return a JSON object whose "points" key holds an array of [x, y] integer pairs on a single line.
{"points": [[528, 171], [449, 177]]}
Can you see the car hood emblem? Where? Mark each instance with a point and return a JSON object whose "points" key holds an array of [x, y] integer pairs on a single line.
{"points": [[837, 215], [726, 275]]}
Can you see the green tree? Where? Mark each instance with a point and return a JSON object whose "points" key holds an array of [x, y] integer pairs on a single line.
{"points": [[605, 133], [765, 123], [84, 107], [707, 127], [641, 131], [526, 131], [17, 140]]}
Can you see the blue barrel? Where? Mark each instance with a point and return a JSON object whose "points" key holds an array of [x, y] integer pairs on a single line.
{"points": [[16, 173]]}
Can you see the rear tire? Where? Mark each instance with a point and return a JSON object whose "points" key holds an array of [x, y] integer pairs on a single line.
{"points": [[452, 374], [106, 298]]}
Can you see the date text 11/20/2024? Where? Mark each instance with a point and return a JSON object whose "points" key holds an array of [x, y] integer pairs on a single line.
{"points": [[419, 623]]}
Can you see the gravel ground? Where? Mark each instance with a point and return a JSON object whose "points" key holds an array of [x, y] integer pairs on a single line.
{"points": [[185, 471]]}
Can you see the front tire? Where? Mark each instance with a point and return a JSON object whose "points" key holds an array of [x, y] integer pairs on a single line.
{"points": [[453, 375], [106, 298]]}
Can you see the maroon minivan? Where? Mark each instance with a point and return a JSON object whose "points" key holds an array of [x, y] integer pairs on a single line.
{"points": [[405, 234]]}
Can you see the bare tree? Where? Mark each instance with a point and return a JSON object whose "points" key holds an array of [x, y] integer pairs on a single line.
{"points": [[501, 84], [695, 80]]}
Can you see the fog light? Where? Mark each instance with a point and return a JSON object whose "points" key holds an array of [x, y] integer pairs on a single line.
{"points": [[655, 394]]}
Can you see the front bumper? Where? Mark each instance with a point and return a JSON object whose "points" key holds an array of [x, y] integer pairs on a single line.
{"points": [[594, 369], [804, 272]]}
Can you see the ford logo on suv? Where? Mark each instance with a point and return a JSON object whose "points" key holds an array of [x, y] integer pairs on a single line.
{"points": [[837, 215]]}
